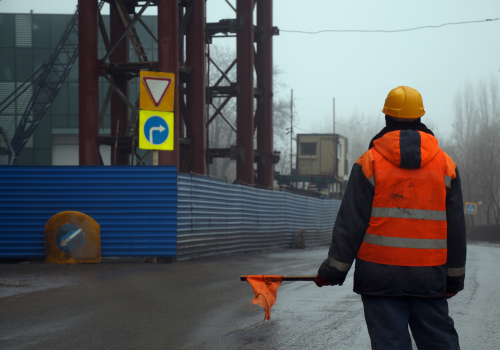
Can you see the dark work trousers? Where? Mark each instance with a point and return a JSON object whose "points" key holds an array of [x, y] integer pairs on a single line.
{"points": [[388, 318]]}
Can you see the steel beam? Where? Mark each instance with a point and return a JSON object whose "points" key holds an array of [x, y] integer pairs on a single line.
{"points": [[228, 69], [182, 88], [264, 67], [88, 82], [168, 61], [244, 105], [182, 85], [119, 108], [196, 93], [125, 32]]}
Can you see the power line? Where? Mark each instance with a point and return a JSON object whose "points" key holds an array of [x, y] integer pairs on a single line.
{"points": [[386, 31], [312, 132]]}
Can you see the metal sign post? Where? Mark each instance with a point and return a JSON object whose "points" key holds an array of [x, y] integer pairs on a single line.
{"points": [[155, 157], [156, 118]]}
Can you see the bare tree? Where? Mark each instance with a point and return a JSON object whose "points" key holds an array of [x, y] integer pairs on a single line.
{"points": [[475, 143]]}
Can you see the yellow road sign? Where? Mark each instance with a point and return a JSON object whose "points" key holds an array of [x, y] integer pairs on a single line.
{"points": [[157, 91], [156, 130]]}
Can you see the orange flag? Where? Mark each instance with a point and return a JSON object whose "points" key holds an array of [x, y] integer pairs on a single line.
{"points": [[265, 288]]}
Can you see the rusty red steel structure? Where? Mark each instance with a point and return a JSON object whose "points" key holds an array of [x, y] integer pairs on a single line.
{"points": [[244, 103], [178, 19], [119, 109], [168, 61], [264, 70], [88, 76], [196, 89]]}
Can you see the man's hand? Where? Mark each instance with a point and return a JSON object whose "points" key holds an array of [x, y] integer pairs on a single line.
{"points": [[320, 281], [448, 295]]}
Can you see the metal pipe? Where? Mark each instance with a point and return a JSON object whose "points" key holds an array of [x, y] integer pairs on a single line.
{"points": [[195, 89], [104, 35], [335, 148], [104, 106], [88, 83], [228, 69], [291, 133], [125, 32], [147, 29], [244, 104], [181, 86], [20, 87], [219, 111], [116, 141], [144, 157], [223, 74], [264, 67], [168, 61], [230, 5], [119, 93], [119, 108]]}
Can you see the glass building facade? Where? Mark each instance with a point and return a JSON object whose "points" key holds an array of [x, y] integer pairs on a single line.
{"points": [[27, 42]]}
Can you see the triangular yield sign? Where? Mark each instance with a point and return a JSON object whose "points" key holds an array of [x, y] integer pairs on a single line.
{"points": [[157, 88]]}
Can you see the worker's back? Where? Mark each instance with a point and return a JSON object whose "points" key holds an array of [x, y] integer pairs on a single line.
{"points": [[408, 225], [402, 220]]}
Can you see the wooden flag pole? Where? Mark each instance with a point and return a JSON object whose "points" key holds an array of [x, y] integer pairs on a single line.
{"points": [[289, 278]]}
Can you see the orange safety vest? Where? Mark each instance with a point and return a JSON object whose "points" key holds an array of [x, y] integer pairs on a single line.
{"points": [[408, 224]]}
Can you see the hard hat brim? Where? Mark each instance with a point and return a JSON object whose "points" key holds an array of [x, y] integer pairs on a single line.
{"points": [[396, 114]]}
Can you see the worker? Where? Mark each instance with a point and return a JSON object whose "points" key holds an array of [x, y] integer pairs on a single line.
{"points": [[402, 218]]}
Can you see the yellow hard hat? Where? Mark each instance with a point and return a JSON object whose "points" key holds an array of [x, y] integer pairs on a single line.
{"points": [[404, 102]]}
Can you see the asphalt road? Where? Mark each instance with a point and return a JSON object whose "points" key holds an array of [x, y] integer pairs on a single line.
{"points": [[202, 304]]}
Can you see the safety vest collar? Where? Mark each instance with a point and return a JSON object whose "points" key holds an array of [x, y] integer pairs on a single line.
{"points": [[408, 149]]}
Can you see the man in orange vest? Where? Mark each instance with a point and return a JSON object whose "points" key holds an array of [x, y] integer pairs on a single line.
{"points": [[402, 219]]}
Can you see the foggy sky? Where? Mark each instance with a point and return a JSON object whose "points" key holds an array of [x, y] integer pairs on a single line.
{"points": [[359, 69]]}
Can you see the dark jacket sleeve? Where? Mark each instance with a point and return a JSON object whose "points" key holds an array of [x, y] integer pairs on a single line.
{"points": [[457, 245], [350, 227]]}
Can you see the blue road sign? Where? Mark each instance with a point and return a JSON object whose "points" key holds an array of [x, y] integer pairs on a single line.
{"points": [[70, 238], [156, 130], [470, 208]]}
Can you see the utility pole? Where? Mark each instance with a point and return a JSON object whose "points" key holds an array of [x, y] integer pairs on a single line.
{"points": [[335, 160], [291, 133], [334, 117]]}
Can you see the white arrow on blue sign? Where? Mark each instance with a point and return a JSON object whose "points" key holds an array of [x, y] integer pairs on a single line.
{"points": [[156, 130]]}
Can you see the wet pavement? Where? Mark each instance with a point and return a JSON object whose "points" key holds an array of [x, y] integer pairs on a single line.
{"points": [[201, 304]]}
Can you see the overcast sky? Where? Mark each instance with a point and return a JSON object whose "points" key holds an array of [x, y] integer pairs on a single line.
{"points": [[359, 69]]}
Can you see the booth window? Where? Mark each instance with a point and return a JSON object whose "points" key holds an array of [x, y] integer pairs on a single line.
{"points": [[308, 148]]}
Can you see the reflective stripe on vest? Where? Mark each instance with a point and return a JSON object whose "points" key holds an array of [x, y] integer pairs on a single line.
{"points": [[405, 213], [408, 218], [399, 242]]}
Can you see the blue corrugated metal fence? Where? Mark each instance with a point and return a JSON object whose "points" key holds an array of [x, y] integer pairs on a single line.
{"points": [[135, 206], [148, 211], [215, 217]]}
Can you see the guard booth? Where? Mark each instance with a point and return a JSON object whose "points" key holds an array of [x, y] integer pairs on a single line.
{"points": [[323, 155]]}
